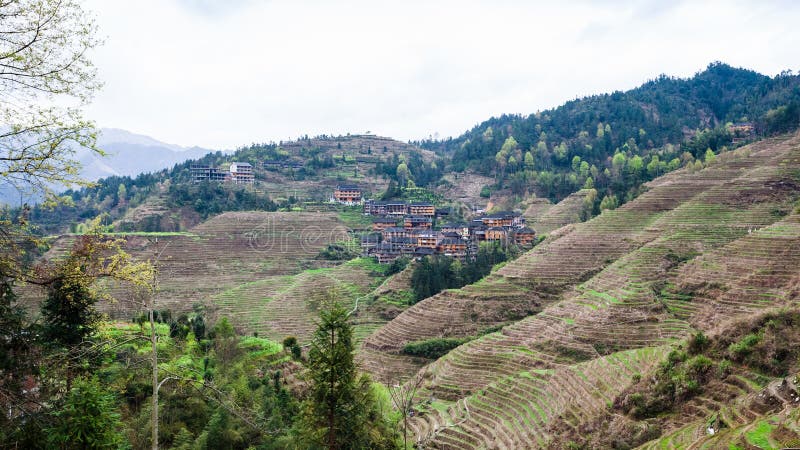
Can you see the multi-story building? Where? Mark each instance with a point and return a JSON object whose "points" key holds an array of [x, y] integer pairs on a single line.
{"points": [[204, 172], [348, 194], [417, 222], [241, 173], [382, 223], [524, 237], [422, 209], [427, 238]]}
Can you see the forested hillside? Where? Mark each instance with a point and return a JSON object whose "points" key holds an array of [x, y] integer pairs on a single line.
{"points": [[621, 139]]}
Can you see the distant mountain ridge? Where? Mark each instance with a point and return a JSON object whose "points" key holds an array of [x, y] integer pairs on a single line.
{"points": [[127, 154]]}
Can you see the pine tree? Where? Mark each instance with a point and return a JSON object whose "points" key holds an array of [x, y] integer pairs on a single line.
{"points": [[340, 412]]}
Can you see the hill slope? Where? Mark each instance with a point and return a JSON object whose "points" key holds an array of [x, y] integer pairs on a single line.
{"points": [[602, 301]]}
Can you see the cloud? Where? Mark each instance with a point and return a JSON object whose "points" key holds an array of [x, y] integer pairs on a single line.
{"points": [[223, 74]]}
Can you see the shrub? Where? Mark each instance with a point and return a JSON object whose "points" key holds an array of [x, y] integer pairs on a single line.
{"points": [[697, 343], [289, 342], [433, 348], [740, 350], [396, 266]]}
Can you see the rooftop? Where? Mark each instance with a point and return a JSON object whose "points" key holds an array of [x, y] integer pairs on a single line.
{"points": [[348, 187]]}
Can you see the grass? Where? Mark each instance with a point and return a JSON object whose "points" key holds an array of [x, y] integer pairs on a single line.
{"points": [[260, 346], [760, 435], [354, 218]]}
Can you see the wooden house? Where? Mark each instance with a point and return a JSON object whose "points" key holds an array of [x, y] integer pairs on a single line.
{"points": [[348, 194], [395, 232], [426, 238], [462, 229], [524, 237], [451, 246], [496, 234], [396, 208], [382, 223], [422, 209], [417, 222]]}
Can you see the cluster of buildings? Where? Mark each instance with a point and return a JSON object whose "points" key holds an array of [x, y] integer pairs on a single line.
{"points": [[408, 229], [413, 235], [238, 173]]}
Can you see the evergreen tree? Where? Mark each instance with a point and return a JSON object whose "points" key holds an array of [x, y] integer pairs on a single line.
{"points": [[340, 412], [86, 420], [69, 316]]}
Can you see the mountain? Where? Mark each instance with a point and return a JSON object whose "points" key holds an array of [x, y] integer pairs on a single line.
{"points": [[669, 120], [129, 154]]}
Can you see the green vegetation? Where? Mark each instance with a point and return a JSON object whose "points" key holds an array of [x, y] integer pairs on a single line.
{"points": [[767, 344], [617, 141], [341, 410], [340, 251], [435, 274], [433, 348]]}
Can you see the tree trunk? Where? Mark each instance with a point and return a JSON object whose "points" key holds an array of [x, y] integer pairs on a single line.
{"points": [[154, 360], [332, 406]]}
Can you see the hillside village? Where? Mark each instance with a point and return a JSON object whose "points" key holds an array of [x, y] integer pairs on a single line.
{"points": [[401, 229], [622, 271]]}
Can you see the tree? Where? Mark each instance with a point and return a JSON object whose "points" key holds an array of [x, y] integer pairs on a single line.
{"points": [[529, 162], [70, 318], [403, 174], [709, 157], [340, 411], [16, 361], [86, 419], [44, 47], [403, 399], [609, 202]]}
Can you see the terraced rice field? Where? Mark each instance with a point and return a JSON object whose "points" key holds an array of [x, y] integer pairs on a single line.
{"points": [[281, 306], [226, 252], [545, 217], [603, 300]]}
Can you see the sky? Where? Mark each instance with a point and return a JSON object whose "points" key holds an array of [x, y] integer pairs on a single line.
{"points": [[226, 73]]}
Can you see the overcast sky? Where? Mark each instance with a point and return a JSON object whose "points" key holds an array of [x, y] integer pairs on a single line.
{"points": [[224, 73]]}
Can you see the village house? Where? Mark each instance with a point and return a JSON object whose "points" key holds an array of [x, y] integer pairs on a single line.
{"points": [[496, 234], [416, 222], [421, 252], [370, 241], [272, 164], [203, 172], [504, 219], [405, 244], [427, 238], [347, 194], [395, 232], [384, 252], [422, 209], [382, 223], [241, 173], [461, 229], [524, 237], [396, 208], [452, 247], [478, 232], [374, 208]]}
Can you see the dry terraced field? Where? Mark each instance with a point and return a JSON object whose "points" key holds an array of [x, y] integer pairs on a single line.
{"points": [[601, 301]]}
